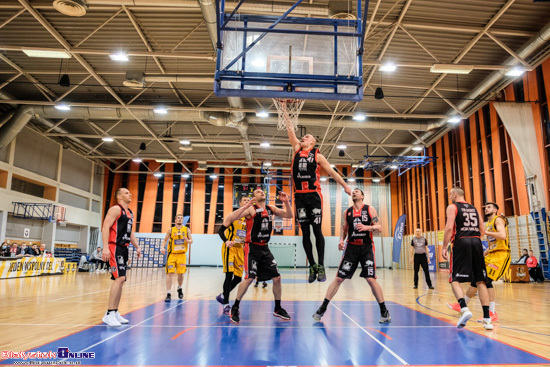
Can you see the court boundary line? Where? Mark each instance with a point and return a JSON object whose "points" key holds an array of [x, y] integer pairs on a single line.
{"points": [[373, 338]]}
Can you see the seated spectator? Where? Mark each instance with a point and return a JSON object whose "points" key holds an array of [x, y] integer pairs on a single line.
{"points": [[5, 250], [523, 257], [535, 270], [14, 249], [42, 250], [34, 250], [95, 258], [24, 250]]}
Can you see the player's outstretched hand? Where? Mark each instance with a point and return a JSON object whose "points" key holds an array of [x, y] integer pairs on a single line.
{"points": [[341, 245], [284, 197]]}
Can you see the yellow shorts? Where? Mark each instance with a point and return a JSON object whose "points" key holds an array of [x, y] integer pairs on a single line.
{"points": [[176, 263], [497, 264], [233, 260]]}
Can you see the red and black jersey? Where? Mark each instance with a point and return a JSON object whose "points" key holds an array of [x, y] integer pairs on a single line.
{"points": [[466, 221], [306, 171], [122, 228], [259, 227], [354, 217]]}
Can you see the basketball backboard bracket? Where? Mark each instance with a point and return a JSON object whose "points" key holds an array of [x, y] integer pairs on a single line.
{"points": [[264, 56]]}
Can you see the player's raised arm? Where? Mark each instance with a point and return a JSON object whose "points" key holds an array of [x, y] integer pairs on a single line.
{"points": [[326, 166]]}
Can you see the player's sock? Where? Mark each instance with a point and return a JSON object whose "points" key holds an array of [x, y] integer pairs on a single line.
{"points": [[277, 304], [462, 303], [467, 299], [325, 303], [237, 303], [486, 312], [383, 308], [492, 307], [109, 311]]}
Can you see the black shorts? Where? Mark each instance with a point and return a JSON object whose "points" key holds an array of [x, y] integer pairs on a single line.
{"points": [[467, 261], [355, 255], [309, 207], [259, 262], [118, 260]]}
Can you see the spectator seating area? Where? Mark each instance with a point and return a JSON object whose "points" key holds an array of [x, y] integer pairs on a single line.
{"points": [[71, 254]]}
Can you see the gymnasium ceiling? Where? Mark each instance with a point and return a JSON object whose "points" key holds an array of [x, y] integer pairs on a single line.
{"points": [[169, 42]]}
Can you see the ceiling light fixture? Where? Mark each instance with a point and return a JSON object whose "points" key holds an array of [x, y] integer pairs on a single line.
{"points": [[341, 146], [107, 139], [62, 107], [160, 111], [166, 161], [185, 142], [120, 56], [213, 177], [359, 117], [323, 179], [158, 174], [417, 148], [388, 67], [375, 180], [265, 144], [515, 72], [47, 54], [262, 114], [142, 146], [185, 175], [268, 164], [137, 160], [379, 93], [451, 69], [454, 120], [65, 81], [341, 153], [351, 179], [393, 166]]}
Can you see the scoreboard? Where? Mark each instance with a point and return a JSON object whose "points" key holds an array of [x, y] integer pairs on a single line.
{"points": [[244, 189]]}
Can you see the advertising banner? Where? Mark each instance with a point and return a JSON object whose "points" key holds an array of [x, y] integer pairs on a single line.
{"points": [[31, 266]]}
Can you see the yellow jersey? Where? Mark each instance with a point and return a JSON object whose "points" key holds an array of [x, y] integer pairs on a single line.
{"points": [[177, 244], [494, 244], [236, 232]]}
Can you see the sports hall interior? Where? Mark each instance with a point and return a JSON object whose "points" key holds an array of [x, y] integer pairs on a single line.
{"points": [[437, 80]]}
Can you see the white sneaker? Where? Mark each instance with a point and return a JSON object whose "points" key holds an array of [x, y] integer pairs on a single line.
{"points": [[465, 315], [111, 320], [487, 324], [121, 319]]}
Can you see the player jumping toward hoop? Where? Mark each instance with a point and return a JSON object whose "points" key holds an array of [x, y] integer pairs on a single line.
{"points": [[306, 167]]}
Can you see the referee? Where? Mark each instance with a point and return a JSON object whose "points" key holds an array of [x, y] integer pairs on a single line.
{"points": [[419, 246]]}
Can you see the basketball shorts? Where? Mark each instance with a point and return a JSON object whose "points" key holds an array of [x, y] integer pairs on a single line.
{"points": [[497, 264], [233, 260], [467, 261], [176, 263], [259, 262], [118, 261], [355, 255], [308, 207]]}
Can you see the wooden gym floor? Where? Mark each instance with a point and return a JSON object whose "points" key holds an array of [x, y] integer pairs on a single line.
{"points": [[64, 311]]}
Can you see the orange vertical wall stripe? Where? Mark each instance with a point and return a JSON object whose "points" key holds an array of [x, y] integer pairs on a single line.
{"points": [[497, 158], [485, 152], [117, 183], [464, 167], [394, 191], [133, 187], [423, 199], [213, 204], [198, 201], [167, 198], [228, 194], [181, 197], [149, 201], [433, 201], [475, 164], [338, 216], [448, 166], [414, 203], [440, 185]]}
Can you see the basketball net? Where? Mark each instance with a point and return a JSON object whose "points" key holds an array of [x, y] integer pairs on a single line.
{"points": [[288, 111]]}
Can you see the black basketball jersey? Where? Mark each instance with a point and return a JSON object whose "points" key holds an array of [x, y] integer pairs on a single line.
{"points": [[306, 171], [466, 221], [354, 217], [122, 228], [259, 227]]}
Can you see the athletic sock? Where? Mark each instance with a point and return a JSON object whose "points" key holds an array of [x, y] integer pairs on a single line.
{"points": [[277, 304], [492, 307], [383, 308], [179, 287], [467, 299], [462, 303], [109, 311], [486, 312], [325, 303], [236, 304]]}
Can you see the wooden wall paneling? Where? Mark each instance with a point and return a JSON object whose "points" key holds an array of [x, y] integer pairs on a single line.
{"points": [[394, 193], [228, 193], [475, 164], [440, 184], [464, 166], [414, 204], [326, 225], [167, 198], [198, 201], [423, 200], [149, 200], [181, 196], [214, 204], [497, 158], [448, 165], [546, 76], [432, 202], [326, 203], [408, 200], [340, 207], [117, 183], [489, 185]]}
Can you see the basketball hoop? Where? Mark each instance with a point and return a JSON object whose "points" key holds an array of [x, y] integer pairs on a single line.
{"points": [[62, 223], [288, 111], [59, 215], [278, 225]]}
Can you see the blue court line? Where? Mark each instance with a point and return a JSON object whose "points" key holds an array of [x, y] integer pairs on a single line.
{"points": [[454, 316], [196, 333]]}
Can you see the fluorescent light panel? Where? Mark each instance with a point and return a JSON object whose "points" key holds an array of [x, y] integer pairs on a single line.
{"points": [[454, 120], [267, 164], [262, 114], [359, 117], [515, 72], [137, 160], [388, 67], [62, 107], [265, 144], [47, 54], [160, 110], [451, 69], [185, 142], [107, 139], [119, 57], [341, 146], [166, 161]]}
